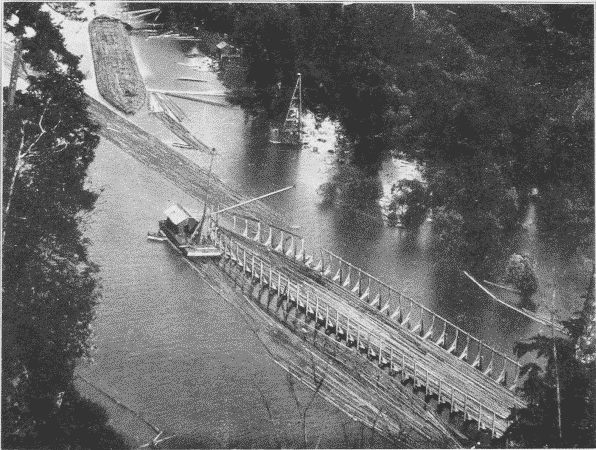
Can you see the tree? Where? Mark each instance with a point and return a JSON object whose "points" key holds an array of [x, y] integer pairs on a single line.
{"points": [[17, 17], [561, 410], [409, 203], [50, 287]]}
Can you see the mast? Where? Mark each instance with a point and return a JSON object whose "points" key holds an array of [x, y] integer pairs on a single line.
{"points": [[300, 109], [293, 119], [296, 97], [199, 229]]}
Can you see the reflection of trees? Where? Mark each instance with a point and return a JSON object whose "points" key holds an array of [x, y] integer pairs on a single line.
{"points": [[492, 100], [352, 187]]}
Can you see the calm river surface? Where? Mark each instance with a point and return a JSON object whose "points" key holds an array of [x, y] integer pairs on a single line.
{"points": [[167, 345]]}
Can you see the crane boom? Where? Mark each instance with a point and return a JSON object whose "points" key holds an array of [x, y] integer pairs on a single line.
{"points": [[252, 200]]}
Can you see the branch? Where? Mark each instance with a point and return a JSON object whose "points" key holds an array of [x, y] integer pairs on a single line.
{"points": [[269, 413], [318, 384], [43, 132], [17, 169], [292, 390], [322, 430]]}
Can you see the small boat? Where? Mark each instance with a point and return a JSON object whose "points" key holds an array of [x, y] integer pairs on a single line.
{"points": [[156, 236], [182, 230]]}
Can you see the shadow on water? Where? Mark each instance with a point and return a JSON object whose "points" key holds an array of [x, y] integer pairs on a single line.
{"points": [[262, 163]]}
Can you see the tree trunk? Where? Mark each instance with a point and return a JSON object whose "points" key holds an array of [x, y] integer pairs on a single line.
{"points": [[558, 386], [14, 73], [15, 175]]}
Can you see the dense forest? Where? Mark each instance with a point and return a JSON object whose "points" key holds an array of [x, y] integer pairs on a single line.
{"points": [[491, 100], [50, 287]]}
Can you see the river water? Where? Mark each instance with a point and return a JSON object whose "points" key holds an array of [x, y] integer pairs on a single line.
{"points": [[168, 347]]}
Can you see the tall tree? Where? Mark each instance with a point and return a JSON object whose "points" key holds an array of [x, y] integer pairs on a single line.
{"points": [[49, 285], [561, 409]]}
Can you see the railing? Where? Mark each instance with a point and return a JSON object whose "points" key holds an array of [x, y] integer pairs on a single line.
{"points": [[314, 304], [399, 308]]}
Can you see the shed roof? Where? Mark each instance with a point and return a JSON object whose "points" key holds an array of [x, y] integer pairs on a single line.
{"points": [[177, 214], [222, 45]]}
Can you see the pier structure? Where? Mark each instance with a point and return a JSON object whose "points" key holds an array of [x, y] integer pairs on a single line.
{"points": [[399, 335]]}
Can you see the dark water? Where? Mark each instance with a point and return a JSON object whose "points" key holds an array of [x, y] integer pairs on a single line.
{"points": [[167, 344]]}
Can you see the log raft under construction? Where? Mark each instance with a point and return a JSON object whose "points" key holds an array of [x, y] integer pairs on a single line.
{"points": [[118, 78], [371, 341]]}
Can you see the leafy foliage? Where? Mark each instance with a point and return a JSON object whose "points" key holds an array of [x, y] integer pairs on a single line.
{"points": [[521, 274], [491, 99], [410, 198], [537, 425], [50, 287]]}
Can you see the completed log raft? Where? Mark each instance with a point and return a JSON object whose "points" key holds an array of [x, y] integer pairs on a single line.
{"points": [[118, 78]]}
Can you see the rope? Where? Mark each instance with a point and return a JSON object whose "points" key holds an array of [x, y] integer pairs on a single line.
{"points": [[119, 403]]}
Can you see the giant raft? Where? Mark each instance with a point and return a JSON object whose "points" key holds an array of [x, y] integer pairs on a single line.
{"points": [[118, 78]]}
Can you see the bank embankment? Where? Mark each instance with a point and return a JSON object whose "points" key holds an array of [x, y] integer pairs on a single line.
{"points": [[118, 77]]}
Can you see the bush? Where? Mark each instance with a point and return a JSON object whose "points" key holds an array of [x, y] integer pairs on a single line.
{"points": [[410, 202], [521, 274]]}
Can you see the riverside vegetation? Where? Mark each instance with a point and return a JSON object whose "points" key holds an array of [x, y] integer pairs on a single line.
{"points": [[489, 100], [50, 288]]}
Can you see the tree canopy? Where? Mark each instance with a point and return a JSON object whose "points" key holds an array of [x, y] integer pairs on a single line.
{"points": [[560, 392], [50, 287]]}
